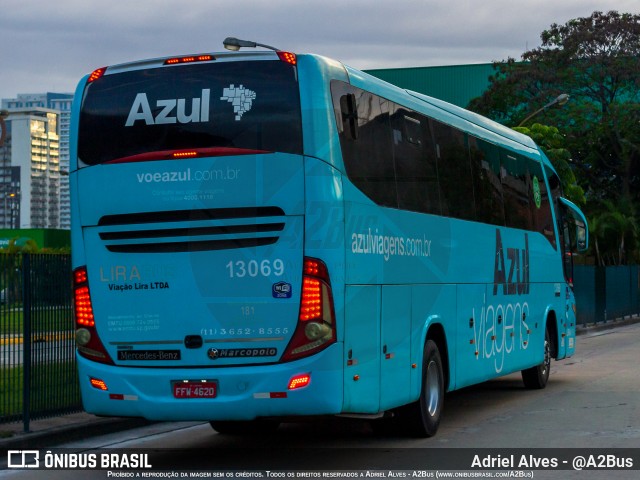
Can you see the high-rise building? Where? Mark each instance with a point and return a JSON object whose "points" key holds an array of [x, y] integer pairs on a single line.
{"points": [[62, 103], [30, 169]]}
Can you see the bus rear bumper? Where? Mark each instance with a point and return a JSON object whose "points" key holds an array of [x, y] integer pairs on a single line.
{"points": [[242, 393]]}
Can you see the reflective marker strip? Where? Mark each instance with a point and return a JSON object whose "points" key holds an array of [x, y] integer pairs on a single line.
{"points": [[270, 395], [118, 396]]}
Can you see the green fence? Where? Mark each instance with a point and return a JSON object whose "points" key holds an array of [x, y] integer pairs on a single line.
{"points": [[38, 376], [606, 293]]}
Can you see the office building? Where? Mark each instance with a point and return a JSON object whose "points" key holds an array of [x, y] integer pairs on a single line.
{"points": [[30, 169], [62, 103]]}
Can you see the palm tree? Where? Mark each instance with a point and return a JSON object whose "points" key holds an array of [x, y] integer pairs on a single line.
{"points": [[617, 219]]}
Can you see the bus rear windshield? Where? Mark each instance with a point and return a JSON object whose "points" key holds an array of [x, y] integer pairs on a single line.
{"points": [[243, 105]]}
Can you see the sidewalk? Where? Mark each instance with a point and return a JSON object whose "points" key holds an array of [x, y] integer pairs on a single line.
{"points": [[49, 432], [66, 428]]}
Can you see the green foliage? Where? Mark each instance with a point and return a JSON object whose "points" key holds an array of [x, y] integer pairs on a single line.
{"points": [[614, 229], [552, 143], [596, 61]]}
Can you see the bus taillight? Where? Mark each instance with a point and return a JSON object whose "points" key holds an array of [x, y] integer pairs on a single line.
{"points": [[96, 74], [87, 340], [288, 57], [316, 320]]}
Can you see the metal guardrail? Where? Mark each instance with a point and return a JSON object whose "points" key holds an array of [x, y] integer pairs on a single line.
{"points": [[38, 377]]}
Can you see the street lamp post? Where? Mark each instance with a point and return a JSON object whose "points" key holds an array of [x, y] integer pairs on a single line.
{"points": [[559, 100], [235, 44]]}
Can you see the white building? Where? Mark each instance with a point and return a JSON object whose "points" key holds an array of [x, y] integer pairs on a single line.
{"points": [[30, 169], [62, 103]]}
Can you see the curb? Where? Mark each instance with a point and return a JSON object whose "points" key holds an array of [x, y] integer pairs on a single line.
{"points": [[608, 325], [92, 427]]}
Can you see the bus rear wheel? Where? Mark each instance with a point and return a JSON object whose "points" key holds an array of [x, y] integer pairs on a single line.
{"points": [[249, 427], [422, 418], [538, 376]]}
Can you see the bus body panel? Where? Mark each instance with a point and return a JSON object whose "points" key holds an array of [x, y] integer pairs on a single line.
{"points": [[362, 349], [243, 393], [319, 135], [137, 280], [395, 353]]}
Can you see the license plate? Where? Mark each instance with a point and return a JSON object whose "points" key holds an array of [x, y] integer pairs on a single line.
{"points": [[195, 389]]}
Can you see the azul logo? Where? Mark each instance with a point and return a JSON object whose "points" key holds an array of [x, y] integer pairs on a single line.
{"points": [[515, 280], [173, 110]]}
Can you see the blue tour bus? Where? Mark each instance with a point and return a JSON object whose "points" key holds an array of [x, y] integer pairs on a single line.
{"points": [[259, 236]]}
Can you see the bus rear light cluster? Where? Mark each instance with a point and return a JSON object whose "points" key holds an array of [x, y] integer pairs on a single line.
{"points": [[316, 327], [288, 57], [99, 384], [299, 381], [96, 74], [84, 310], [87, 340], [189, 59]]}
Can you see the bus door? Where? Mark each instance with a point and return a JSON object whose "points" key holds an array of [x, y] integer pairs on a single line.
{"points": [[573, 239]]}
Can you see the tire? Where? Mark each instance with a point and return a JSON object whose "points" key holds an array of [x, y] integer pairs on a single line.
{"points": [[536, 378], [250, 427], [422, 418]]}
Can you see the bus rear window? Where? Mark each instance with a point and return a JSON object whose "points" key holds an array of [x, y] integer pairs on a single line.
{"points": [[246, 105]]}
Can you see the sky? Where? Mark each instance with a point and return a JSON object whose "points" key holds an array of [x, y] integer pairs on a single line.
{"points": [[48, 46]]}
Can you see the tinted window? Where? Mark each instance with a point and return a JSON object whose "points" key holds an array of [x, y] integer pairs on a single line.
{"points": [[367, 155], [454, 171], [252, 105], [540, 203], [415, 162], [485, 164], [516, 187]]}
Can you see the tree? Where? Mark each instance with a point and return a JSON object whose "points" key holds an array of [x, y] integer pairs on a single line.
{"points": [[596, 61], [615, 231], [552, 142]]}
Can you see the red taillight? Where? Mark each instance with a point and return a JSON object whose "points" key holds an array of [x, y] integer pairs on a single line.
{"points": [[87, 340], [189, 59], [189, 154], [96, 74], [99, 384], [316, 327], [311, 301], [288, 57], [299, 381], [185, 154], [84, 309]]}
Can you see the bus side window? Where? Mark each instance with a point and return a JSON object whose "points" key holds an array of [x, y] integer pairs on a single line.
{"points": [[485, 164], [413, 152], [366, 145], [454, 172], [540, 203], [516, 187]]}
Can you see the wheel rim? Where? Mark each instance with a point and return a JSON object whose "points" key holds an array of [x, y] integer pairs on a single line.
{"points": [[433, 388], [547, 357]]}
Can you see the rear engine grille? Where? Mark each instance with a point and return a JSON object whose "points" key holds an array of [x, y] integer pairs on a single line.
{"points": [[192, 230]]}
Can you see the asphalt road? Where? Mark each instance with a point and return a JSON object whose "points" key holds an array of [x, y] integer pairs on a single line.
{"points": [[592, 401]]}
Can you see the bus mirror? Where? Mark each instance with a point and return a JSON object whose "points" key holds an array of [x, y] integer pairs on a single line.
{"points": [[580, 222], [581, 236], [349, 111]]}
